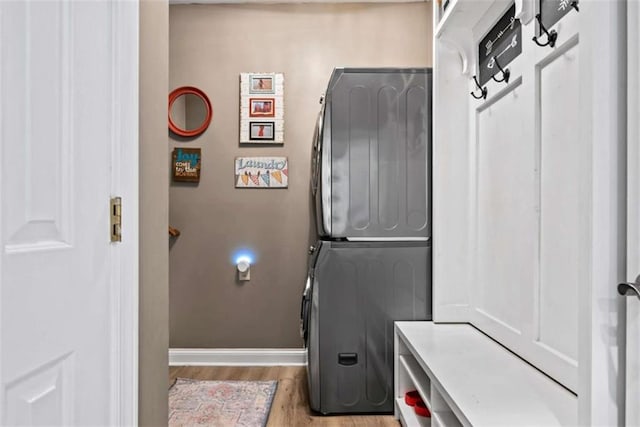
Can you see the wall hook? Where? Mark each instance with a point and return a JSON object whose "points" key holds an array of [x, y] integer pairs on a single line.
{"points": [[505, 73], [551, 36], [574, 4], [483, 90]]}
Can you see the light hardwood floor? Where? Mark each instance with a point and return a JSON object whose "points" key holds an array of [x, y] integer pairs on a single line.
{"points": [[290, 404]]}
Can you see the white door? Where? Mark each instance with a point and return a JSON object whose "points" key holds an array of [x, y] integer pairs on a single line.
{"points": [[632, 401], [68, 122]]}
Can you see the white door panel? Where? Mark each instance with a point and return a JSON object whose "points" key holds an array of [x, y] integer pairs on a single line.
{"points": [[61, 348], [529, 204], [562, 202], [36, 91], [504, 220]]}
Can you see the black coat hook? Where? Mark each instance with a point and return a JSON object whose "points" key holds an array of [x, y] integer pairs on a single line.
{"points": [[551, 36], [574, 4], [483, 90], [505, 73]]}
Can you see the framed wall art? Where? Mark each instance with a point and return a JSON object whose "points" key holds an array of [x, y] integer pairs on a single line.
{"points": [[261, 131], [261, 108], [261, 172], [186, 164], [261, 83]]}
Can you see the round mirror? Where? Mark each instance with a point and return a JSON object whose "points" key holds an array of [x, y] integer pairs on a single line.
{"points": [[189, 111]]}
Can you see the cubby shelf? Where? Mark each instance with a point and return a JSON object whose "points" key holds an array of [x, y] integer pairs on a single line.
{"points": [[418, 378], [408, 417], [445, 418], [469, 379]]}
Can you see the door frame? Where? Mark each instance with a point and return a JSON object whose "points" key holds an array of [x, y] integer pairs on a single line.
{"points": [[125, 184], [603, 117], [629, 368]]}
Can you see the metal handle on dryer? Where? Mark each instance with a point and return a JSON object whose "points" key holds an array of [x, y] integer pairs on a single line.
{"points": [[348, 359]]}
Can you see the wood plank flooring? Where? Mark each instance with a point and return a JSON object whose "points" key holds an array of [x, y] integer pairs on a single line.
{"points": [[291, 402]]}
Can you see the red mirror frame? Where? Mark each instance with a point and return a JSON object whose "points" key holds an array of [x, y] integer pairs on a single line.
{"points": [[184, 90]]}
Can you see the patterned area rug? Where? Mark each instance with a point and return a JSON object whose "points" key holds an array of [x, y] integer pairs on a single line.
{"points": [[220, 403]]}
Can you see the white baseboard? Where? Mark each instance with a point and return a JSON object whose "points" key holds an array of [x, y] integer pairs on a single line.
{"points": [[237, 357]]}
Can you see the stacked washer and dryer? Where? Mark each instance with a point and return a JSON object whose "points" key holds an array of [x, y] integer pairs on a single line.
{"points": [[371, 262]]}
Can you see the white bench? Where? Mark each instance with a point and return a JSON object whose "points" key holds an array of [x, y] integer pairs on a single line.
{"points": [[466, 378]]}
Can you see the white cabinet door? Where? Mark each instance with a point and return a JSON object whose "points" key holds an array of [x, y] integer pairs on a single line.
{"points": [[68, 116], [530, 194]]}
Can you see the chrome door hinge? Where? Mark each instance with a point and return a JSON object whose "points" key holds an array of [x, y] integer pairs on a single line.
{"points": [[116, 219]]}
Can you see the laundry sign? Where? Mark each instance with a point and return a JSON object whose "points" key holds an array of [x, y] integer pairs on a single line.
{"points": [[186, 164], [261, 172]]}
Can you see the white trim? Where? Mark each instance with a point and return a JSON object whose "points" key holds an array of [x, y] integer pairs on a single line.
{"points": [[237, 357], [2, 219], [602, 112], [124, 183], [631, 370]]}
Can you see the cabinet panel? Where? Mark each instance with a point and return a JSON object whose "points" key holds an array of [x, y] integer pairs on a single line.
{"points": [[529, 204], [505, 222], [451, 181], [562, 201]]}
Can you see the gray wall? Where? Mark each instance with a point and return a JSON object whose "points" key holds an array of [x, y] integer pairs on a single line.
{"points": [[210, 45], [154, 207]]}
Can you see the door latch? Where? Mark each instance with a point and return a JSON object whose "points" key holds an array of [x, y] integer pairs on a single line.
{"points": [[116, 219]]}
